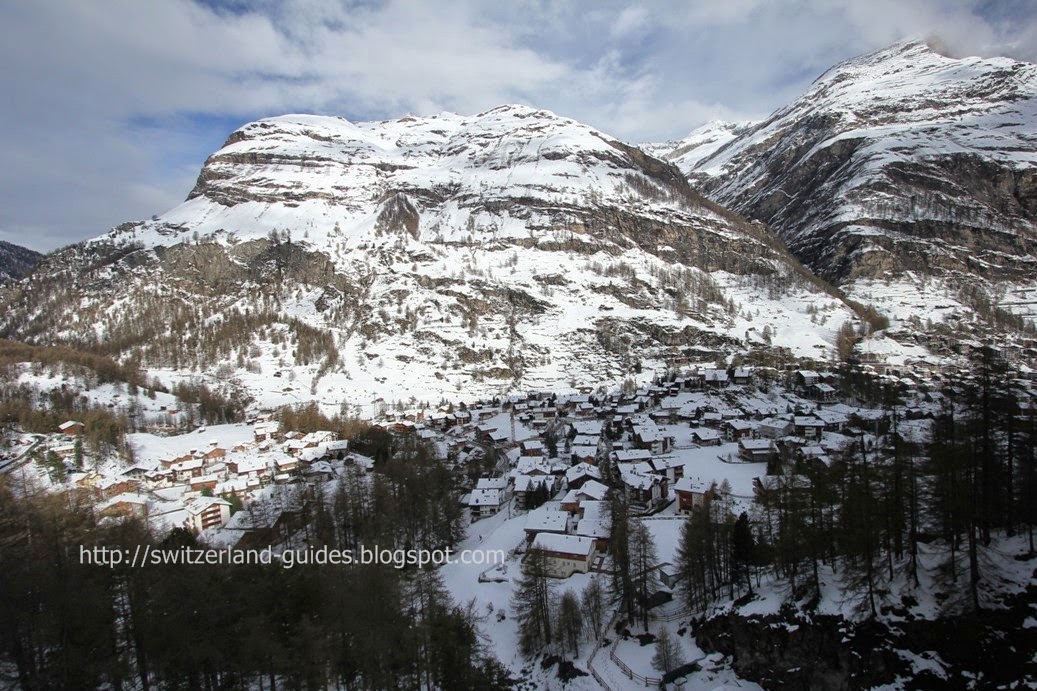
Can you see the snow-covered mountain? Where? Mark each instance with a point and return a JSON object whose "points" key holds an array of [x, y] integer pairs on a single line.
{"points": [[16, 261], [448, 256], [700, 144], [900, 170]]}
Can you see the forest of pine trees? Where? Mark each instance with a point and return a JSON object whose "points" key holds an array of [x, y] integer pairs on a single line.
{"points": [[866, 516], [69, 624]]}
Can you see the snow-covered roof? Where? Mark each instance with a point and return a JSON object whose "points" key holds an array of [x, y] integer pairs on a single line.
{"points": [[549, 520], [564, 544]]}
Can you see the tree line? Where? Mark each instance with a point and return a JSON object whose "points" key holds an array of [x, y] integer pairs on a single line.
{"points": [[869, 513], [68, 623]]}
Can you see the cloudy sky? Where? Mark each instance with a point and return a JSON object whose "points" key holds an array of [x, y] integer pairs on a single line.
{"points": [[111, 107]]}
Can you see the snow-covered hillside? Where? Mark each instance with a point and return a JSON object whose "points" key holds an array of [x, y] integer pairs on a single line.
{"points": [[901, 160], [319, 259]]}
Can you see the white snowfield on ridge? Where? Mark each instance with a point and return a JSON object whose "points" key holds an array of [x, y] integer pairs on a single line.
{"points": [[328, 177]]}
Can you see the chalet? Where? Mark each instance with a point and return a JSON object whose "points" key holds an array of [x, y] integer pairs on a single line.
{"points": [[669, 467], [705, 436], [564, 555], [834, 420], [526, 485], [580, 473], [591, 490], [206, 512], [137, 472], [126, 504], [691, 493], [203, 482], [806, 378], [648, 436], [533, 465], [773, 428], [532, 448], [248, 466], [631, 455], [822, 392], [485, 502], [214, 453], [584, 410], [545, 520], [71, 428], [742, 376], [584, 454], [183, 470], [286, 465], [266, 431], [808, 426], [586, 440], [588, 427], [711, 419], [715, 378], [648, 491], [496, 483], [737, 429], [64, 450], [321, 471], [755, 450], [597, 529], [668, 575]]}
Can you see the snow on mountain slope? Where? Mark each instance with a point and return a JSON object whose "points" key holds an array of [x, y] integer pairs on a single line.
{"points": [[702, 143], [903, 160], [452, 256]]}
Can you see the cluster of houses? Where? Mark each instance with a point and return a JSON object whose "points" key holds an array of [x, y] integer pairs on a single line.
{"points": [[197, 488], [630, 437]]}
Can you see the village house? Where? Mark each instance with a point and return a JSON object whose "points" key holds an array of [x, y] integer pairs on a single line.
{"points": [[648, 436], [544, 520], [127, 504], [484, 502], [527, 485], [631, 455], [705, 436], [203, 482], [597, 529], [206, 512], [668, 466], [645, 491], [691, 493], [532, 448], [564, 555], [808, 426], [591, 490], [766, 487], [576, 475], [268, 430], [755, 450], [773, 428], [737, 429], [71, 428]]}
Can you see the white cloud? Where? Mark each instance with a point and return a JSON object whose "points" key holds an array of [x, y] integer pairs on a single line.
{"points": [[111, 107]]}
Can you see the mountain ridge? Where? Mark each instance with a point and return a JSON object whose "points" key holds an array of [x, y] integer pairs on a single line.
{"points": [[507, 250], [899, 163]]}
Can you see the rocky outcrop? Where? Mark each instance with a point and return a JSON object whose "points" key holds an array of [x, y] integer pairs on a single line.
{"points": [[901, 161]]}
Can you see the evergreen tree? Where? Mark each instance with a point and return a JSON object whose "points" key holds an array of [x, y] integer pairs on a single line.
{"points": [[570, 623], [644, 561], [531, 604]]}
